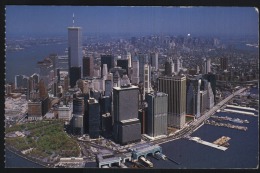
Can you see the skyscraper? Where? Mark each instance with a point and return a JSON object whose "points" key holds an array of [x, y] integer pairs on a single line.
{"points": [[142, 61], [105, 72], [156, 113], [193, 97], [168, 67], [135, 75], [107, 59], [88, 66], [123, 63], [129, 58], [146, 79], [154, 60], [94, 118], [175, 87], [127, 127], [75, 54], [42, 90], [210, 95]]}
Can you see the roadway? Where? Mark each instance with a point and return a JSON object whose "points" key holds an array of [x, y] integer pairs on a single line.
{"points": [[186, 131]]}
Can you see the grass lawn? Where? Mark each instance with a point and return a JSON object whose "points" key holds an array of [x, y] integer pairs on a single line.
{"points": [[47, 137]]}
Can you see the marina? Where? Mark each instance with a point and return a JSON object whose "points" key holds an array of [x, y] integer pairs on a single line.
{"points": [[226, 118], [225, 125]]}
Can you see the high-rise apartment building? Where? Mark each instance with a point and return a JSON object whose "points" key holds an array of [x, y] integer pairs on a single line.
{"points": [[175, 87]]}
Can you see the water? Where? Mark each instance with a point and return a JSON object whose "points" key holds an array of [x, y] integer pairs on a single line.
{"points": [[25, 61], [14, 161]]}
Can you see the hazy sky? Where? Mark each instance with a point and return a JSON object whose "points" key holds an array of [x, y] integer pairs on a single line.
{"points": [[50, 20]]}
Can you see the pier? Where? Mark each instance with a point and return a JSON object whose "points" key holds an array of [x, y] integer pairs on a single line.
{"points": [[241, 112], [198, 140], [241, 107], [225, 125]]}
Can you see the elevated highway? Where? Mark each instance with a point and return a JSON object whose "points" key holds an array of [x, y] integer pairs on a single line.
{"points": [[186, 131]]}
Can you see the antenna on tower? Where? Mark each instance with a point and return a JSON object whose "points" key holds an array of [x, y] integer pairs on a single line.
{"points": [[73, 19]]}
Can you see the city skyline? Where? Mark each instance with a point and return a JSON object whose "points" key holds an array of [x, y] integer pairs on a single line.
{"points": [[52, 20]]}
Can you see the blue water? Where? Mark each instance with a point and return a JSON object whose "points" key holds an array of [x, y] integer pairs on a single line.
{"points": [[14, 161], [25, 61]]}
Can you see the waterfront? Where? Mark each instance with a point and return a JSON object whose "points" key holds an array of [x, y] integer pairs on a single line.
{"points": [[242, 152], [31, 56]]}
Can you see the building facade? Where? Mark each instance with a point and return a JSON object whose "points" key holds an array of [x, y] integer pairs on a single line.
{"points": [[156, 114], [175, 87]]}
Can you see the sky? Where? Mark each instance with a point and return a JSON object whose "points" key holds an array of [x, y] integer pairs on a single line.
{"points": [[51, 20]]}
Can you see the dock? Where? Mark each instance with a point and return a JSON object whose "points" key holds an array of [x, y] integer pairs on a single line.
{"points": [[223, 141], [241, 112], [241, 107], [225, 125], [198, 140]]}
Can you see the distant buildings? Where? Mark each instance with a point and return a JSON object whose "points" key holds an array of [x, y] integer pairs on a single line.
{"points": [[223, 63], [156, 118], [175, 87]]}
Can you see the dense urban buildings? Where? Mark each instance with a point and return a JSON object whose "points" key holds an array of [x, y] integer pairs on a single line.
{"points": [[121, 95]]}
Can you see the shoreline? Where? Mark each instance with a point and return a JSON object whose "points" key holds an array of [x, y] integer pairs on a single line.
{"points": [[25, 157]]}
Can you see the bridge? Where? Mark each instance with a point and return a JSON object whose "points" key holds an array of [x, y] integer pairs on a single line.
{"points": [[143, 150]]}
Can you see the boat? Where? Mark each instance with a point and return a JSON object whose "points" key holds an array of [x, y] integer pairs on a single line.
{"points": [[237, 120]]}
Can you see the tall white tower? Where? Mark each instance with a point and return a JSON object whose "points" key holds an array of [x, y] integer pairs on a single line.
{"points": [[146, 80], [129, 58], [135, 76]]}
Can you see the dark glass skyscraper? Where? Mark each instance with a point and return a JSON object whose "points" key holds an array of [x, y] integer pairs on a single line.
{"points": [[93, 115], [107, 59], [123, 63], [88, 66]]}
